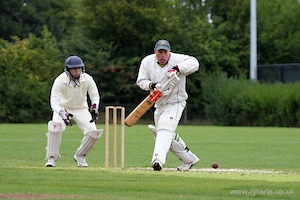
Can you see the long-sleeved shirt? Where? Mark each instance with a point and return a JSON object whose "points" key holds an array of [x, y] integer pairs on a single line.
{"points": [[151, 71], [65, 94]]}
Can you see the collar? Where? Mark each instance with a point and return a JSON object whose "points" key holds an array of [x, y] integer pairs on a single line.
{"points": [[161, 65], [67, 79]]}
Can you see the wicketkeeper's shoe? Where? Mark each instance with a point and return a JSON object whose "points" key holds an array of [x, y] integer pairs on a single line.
{"points": [[157, 166], [187, 167], [81, 162], [51, 162]]}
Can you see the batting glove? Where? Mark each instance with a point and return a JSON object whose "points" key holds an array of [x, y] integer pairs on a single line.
{"points": [[66, 117], [164, 93], [167, 92], [174, 79], [94, 112], [152, 86], [172, 75], [157, 86], [173, 71]]}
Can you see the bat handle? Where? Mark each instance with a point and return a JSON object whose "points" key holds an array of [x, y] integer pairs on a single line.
{"points": [[165, 86], [155, 95]]}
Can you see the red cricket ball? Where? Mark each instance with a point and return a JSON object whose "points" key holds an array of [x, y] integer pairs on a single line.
{"points": [[215, 165]]}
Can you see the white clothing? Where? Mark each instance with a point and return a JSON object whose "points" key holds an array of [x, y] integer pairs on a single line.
{"points": [[150, 71], [169, 108], [82, 118], [72, 97], [65, 93], [168, 116], [163, 142]]}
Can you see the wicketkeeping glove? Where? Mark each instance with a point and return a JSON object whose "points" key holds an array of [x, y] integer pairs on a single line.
{"points": [[66, 117], [94, 112]]}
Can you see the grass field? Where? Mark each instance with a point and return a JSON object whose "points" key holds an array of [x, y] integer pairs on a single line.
{"points": [[255, 163]]}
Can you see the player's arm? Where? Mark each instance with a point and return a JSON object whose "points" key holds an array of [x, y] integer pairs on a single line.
{"points": [[95, 99], [187, 64], [56, 95], [143, 79]]}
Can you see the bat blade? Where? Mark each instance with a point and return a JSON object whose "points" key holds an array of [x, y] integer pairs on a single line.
{"points": [[145, 105], [138, 112], [142, 108]]}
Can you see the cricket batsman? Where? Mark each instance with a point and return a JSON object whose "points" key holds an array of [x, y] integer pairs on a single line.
{"points": [[68, 101], [164, 66]]}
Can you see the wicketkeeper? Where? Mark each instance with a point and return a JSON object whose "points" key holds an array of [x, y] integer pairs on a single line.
{"points": [[69, 102], [155, 70]]}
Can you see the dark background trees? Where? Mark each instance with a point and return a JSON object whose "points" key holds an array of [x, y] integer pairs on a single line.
{"points": [[113, 36]]}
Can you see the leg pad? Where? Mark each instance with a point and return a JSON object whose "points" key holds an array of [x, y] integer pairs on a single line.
{"points": [[88, 142], [53, 140]]}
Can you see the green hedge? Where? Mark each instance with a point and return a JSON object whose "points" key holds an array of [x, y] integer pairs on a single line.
{"points": [[241, 102], [27, 70]]}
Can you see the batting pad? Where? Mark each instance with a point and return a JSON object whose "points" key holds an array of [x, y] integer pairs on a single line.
{"points": [[53, 139], [179, 140], [180, 152], [88, 142]]}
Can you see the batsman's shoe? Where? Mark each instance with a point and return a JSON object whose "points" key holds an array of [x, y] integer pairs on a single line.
{"points": [[152, 129], [187, 167], [81, 162], [194, 157], [51, 162], [157, 166]]}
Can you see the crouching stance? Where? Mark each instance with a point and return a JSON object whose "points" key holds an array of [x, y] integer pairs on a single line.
{"points": [[69, 103]]}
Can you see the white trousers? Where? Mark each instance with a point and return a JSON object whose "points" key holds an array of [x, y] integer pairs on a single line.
{"points": [[167, 117], [166, 120], [81, 117], [163, 142]]}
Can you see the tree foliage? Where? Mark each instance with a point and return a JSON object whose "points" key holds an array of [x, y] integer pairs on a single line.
{"points": [[27, 67], [279, 32], [113, 36], [20, 18]]}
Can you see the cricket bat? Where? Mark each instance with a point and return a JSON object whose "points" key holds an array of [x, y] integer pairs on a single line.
{"points": [[145, 105]]}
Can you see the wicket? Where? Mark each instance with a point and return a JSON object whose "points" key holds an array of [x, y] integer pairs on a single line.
{"points": [[115, 115]]}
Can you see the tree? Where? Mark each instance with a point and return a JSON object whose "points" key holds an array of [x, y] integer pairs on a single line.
{"points": [[113, 36], [127, 28], [278, 32], [27, 67], [20, 18]]}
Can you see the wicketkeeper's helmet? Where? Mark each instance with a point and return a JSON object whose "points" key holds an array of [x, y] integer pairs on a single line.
{"points": [[73, 62]]}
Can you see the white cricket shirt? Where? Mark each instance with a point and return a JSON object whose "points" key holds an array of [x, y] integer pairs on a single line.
{"points": [[66, 94], [150, 71]]}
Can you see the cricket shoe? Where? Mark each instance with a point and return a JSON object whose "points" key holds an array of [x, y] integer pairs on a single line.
{"points": [[153, 129], [51, 162], [81, 162], [187, 167], [157, 166]]}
